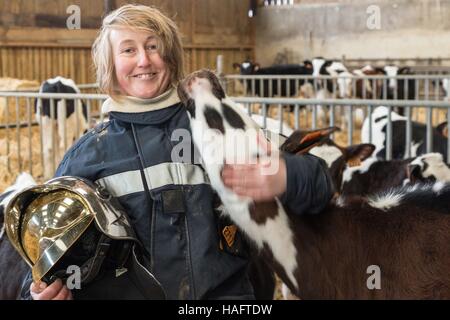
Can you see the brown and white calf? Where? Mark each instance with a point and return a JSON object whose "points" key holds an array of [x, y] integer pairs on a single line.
{"points": [[224, 134], [403, 234]]}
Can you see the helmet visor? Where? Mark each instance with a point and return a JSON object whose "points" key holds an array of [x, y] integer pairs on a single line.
{"points": [[51, 225]]}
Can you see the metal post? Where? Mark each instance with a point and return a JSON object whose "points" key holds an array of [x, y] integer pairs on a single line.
{"points": [[370, 110], [18, 133], [264, 114], [7, 135], [30, 156], [389, 135], [281, 113], [296, 116]]}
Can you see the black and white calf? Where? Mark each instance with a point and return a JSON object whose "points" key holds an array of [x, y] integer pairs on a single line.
{"points": [[356, 172], [418, 139], [12, 267], [69, 119]]}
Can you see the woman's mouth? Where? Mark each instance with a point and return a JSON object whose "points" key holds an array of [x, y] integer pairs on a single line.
{"points": [[144, 75]]}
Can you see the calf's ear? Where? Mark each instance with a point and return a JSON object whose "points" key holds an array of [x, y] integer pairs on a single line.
{"points": [[236, 66], [300, 142], [414, 173], [442, 129], [355, 154]]}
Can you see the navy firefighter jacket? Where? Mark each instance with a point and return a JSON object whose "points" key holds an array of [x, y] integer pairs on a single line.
{"points": [[170, 201]]}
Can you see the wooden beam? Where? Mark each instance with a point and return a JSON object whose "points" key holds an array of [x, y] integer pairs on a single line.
{"points": [[109, 5], [84, 38], [47, 37], [58, 21]]}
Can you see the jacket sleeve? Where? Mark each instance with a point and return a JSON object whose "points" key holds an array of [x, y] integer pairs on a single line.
{"points": [[309, 186], [25, 293]]}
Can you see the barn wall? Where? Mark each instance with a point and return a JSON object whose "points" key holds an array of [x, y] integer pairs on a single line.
{"points": [[409, 29], [35, 43]]}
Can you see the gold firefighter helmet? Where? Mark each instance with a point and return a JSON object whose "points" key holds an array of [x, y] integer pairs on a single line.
{"points": [[67, 220]]}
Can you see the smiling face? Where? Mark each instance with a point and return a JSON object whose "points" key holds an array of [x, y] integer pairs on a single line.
{"points": [[139, 69]]}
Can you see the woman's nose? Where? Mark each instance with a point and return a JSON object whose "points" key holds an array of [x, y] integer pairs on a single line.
{"points": [[143, 60]]}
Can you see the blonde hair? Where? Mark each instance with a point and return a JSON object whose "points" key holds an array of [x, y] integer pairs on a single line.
{"points": [[138, 17]]}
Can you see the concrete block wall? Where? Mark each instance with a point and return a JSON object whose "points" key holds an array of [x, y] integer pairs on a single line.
{"points": [[406, 29]]}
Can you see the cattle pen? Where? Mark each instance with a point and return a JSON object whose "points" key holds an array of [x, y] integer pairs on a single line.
{"points": [[22, 143]]}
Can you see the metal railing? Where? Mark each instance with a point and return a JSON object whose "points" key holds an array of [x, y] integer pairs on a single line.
{"points": [[404, 87], [283, 103], [21, 104]]}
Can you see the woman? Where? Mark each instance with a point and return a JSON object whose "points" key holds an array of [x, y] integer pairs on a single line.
{"points": [[139, 61]]}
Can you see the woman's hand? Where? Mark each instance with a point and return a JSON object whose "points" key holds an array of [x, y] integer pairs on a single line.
{"points": [[261, 181], [55, 291]]}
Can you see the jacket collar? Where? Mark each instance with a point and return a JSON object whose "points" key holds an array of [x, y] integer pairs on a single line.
{"points": [[129, 104]]}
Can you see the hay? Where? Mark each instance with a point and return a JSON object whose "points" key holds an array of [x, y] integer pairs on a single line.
{"points": [[10, 84], [8, 175]]}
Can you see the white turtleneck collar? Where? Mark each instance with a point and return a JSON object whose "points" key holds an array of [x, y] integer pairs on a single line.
{"points": [[135, 105]]}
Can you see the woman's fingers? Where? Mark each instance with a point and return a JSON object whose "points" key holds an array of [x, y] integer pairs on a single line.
{"points": [[55, 291], [63, 294]]}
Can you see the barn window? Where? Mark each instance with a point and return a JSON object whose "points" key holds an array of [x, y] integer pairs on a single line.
{"points": [[278, 3], [266, 3]]}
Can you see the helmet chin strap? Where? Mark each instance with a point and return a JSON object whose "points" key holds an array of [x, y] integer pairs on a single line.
{"points": [[91, 267], [118, 250], [105, 247]]}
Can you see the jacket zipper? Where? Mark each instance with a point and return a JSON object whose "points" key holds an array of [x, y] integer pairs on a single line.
{"points": [[148, 195], [186, 227]]}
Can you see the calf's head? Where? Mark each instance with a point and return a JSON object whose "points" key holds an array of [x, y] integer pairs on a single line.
{"points": [[429, 167], [318, 143]]}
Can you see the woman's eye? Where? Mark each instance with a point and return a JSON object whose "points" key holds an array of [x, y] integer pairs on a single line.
{"points": [[128, 50], [152, 47]]}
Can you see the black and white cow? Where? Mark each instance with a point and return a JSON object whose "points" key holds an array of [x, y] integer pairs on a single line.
{"points": [[12, 267], [323, 67], [418, 140], [329, 88], [70, 121], [401, 89], [446, 88], [286, 89]]}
